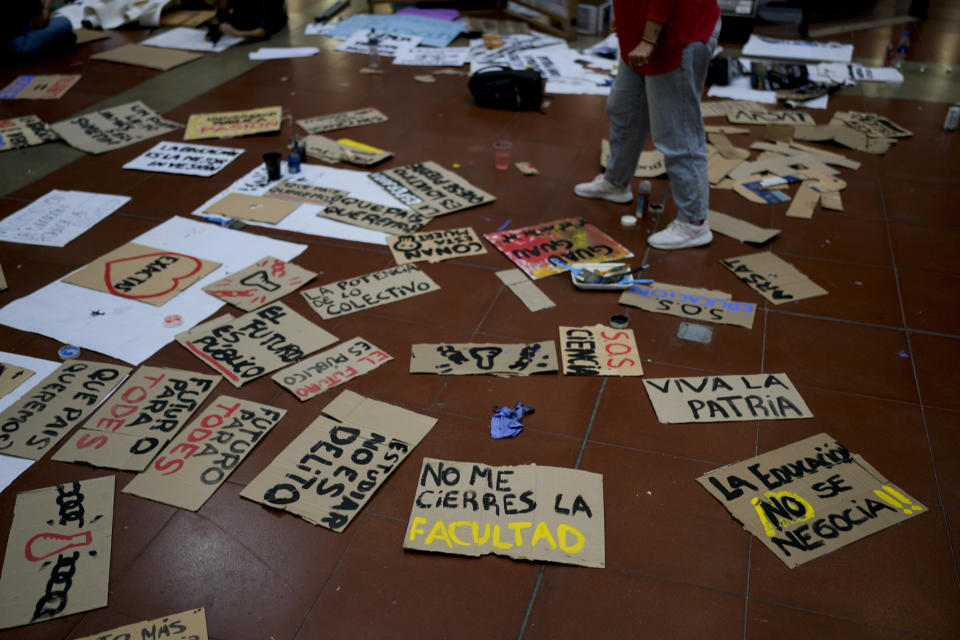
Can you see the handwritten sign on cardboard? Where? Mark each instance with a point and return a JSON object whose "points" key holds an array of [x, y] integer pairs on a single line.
{"points": [[342, 120], [873, 125], [599, 351], [113, 128], [371, 215], [256, 208], [370, 290], [760, 396], [261, 283], [142, 273], [809, 498], [772, 277], [36, 422], [133, 424], [528, 512], [430, 189], [681, 302], [186, 625], [752, 116], [571, 239], [476, 358], [230, 124], [435, 246], [46, 87], [336, 464], [256, 343], [58, 553], [202, 457], [12, 376], [23, 132], [302, 192], [331, 368], [186, 159]]}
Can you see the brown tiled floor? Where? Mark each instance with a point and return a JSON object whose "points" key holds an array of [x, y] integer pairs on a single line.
{"points": [[876, 361]]}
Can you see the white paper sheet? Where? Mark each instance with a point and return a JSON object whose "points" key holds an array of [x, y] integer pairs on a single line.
{"points": [[58, 217], [432, 57], [739, 89], [763, 47], [388, 44], [10, 466], [853, 73], [191, 39], [277, 53], [304, 218], [434, 32], [319, 28], [184, 158], [133, 331]]}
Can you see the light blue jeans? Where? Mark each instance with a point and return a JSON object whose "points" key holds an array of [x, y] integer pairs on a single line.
{"points": [[667, 107]]}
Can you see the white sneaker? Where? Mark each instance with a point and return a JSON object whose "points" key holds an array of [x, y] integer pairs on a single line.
{"points": [[681, 235], [602, 188]]}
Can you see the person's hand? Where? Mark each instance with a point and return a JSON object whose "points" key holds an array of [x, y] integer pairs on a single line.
{"points": [[640, 55], [228, 29]]}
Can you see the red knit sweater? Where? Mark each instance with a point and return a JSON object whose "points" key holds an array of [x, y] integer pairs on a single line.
{"points": [[684, 21]]}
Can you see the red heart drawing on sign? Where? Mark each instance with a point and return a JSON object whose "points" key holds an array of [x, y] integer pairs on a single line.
{"points": [[174, 279]]}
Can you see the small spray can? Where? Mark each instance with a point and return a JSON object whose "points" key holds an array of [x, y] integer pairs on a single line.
{"points": [[953, 118], [643, 199]]}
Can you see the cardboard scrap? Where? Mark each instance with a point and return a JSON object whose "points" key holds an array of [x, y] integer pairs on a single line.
{"points": [[263, 282], [754, 116], [527, 512], [778, 133], [330, 471], [521, 286], [23, 132], [186, 18], [651, 164], [256, 343], [186, 625], [129, 428], [256, 208], [344, 150], [142, 273], [196, 462], [724, 107], [89, 35], [426, 78], [599, 351], [831, 200], [724, 147], [570, 239], [370, 215], [809, 498], [113, 128], [526, 168], [303, 192], [57, 561], [804, 202], [47, 87], [873, 125], [430, 189], [324, 148], [12, 376], [804, 153], [474, 358], [668, 299], [761, 396], [343, 120], [435, 246], [719, 167], [331, 368], [827, 157], [759, 190], [739, 229], [42, 417], [230, 124], [139, 55], [851, 138], [727, 130], [772, 277], [369, 290]]}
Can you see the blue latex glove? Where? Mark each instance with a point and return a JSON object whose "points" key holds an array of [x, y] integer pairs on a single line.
{"points": [[505, 422]]}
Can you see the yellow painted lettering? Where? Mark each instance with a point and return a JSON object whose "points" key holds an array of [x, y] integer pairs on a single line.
{"points": [[476, 533], [499, 544], [517, 528], [439, 530], [778, 499], [452, 530], [542, 532], [415, 527], [577, 547]]}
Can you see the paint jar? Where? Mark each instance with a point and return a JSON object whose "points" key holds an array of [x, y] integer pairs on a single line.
{"points": [[492, 41], [501, 154], [272, 162], [643, 199], [953, 118]]}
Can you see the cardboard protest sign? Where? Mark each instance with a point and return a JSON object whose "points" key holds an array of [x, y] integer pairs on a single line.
{"points": [[186, 159], [435, 246], [262, 282], [809, 498], [131, 426], [50, 87], [752, 116], [430, 189], [739, 229], [527, 512], [343, 120], [873, 125], [142, 273], [58, 553], [668, 299], [230, 124], [775, 279], [336, 464], [344, 150], [599, 351], [331, 368], [138, 55], [196, 462], [36, 422], [12, 376], [651, 164], [256, 208], [27, 131], [186, 625], [370, 290], [113, 128], [528, 292], [371, 215], [256, 343], [324, 148], [571, 239], [761, 396], [476, 358], [302, 192]]}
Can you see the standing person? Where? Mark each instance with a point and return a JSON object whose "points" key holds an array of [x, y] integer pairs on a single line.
{"points": [[665, 48], [27, 32], [254, 19]]}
